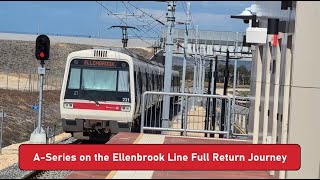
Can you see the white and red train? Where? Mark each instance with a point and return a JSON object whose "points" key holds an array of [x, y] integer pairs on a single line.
{"points": [[102, 91]]}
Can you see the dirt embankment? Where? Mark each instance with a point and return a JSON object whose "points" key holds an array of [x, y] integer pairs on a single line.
{"points": [[18, 71], [19, 123], [18, 56]]}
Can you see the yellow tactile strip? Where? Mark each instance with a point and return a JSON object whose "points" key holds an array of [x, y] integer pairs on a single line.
{"points": [[142, 139], [112, 173]]}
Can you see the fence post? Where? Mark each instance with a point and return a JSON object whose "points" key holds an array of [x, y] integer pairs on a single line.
{"points": [[229, 119], [142, 111], [1, 128], [7, 79], [18, 77], [185, 116]]}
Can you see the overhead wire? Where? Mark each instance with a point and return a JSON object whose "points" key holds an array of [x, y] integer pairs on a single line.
{"points": [[122, 21], [146, 14], [151, 28], [148, 24], [155, 20]]}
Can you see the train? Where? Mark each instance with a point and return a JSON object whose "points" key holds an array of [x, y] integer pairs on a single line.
{"points": [[102, 89]]}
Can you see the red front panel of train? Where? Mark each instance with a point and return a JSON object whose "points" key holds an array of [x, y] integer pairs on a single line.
{"points": [[93, 106]]}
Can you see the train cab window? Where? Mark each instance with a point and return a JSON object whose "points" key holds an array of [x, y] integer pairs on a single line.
{"points": [[123, 80], [98, 80], [95, 79], [74, 82]]}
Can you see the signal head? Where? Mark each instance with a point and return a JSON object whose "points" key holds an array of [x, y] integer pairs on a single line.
{"points": [[42, 47]]}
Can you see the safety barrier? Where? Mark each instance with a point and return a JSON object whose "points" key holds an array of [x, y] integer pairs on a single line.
{"points": [[201, 113], [240, 116], [51, 133]]}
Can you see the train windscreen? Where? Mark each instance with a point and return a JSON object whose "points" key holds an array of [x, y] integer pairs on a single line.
{"points": [[98, 80]]}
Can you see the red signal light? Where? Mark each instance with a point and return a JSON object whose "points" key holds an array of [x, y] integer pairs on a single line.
{"points": [[42, 54]]}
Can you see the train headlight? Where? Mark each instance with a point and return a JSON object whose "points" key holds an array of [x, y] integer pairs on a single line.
{"points": [[125, 108], [68, 105]]}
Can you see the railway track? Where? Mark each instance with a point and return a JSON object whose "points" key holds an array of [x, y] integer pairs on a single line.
{"points": [[53, 174], [33, 174], [46, 174]]}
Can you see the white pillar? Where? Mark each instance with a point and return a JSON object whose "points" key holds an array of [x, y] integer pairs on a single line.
{"points": [[257, 95], [267, 57]]}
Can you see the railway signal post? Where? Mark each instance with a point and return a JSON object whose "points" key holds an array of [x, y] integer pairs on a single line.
{"points": [[42, 52], [2, 115]]}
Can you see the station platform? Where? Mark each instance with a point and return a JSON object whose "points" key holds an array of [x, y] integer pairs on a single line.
{"points": [[137, 138]]}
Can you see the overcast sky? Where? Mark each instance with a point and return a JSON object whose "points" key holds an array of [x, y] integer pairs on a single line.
{"points": [[88, 18]]}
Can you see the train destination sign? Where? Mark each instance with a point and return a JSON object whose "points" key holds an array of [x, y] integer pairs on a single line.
{"points": [[99, 63]]}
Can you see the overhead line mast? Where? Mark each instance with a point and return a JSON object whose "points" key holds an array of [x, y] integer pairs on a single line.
{"points": [[124, 34], [168, 63]]}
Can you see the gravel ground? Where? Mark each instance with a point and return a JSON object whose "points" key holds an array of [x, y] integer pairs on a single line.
{"points": [[68, 141], [14, 172], [54, 175]]}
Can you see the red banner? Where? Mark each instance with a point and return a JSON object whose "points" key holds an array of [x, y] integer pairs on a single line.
{"points": [[159, 157]]}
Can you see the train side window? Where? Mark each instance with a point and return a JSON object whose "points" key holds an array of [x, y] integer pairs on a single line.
{"points": [[172, 82], [175, 81], [147, 79], [155, 82], [74, 81], [152, 77], [123, 81], [161, 82], [150, 81], [140, 81], [158, 80], [135, 82]]}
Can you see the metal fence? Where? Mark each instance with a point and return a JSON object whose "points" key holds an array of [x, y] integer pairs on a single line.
{"points": [[23, 80], [240, 116], [51, 134], [201, 115]]}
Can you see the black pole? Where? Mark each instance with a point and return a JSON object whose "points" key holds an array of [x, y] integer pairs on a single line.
{"points": [[213, 117], [208, 102], [225, 88]]}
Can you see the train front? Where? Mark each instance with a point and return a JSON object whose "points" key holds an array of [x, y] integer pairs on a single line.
{"points": [[96, 96]]}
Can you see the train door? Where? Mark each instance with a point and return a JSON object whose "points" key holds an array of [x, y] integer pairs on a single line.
{"points": [[137, 89], [140, 81], [144, 83]]}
